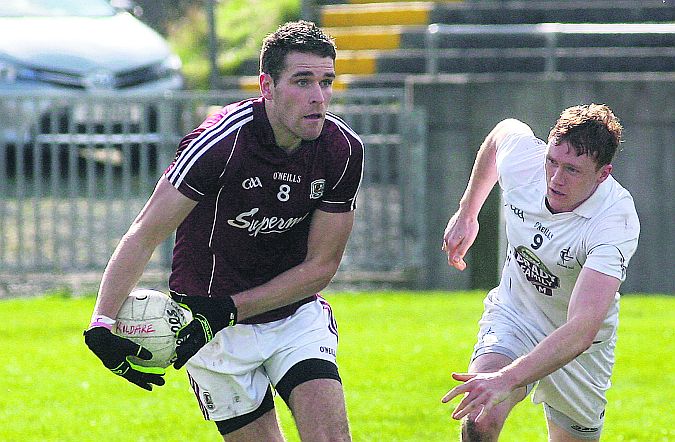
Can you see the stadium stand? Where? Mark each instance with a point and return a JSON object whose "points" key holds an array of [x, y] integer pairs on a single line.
{"points": [[381, 43]]}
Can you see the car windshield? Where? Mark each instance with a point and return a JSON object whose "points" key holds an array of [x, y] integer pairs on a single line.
{"points": [[55, 8]]}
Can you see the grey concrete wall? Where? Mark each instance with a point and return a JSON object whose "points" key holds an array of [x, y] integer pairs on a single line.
{"points": [[461, 111]]}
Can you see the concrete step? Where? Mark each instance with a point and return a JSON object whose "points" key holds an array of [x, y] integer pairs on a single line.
{"points": [[497, 12], [510, 48], [379, 42], [561, 11], [505, 36], [390, 68], [373, 37], [249, 83], [551, 35], [586, 59], [357, 2], [377, 14]]}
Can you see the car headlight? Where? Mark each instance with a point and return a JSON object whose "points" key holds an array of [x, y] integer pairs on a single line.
{"points": [[170, 66], [8, 72]]}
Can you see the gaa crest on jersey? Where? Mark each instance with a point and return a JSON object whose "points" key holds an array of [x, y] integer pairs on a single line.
{"points": [[316, 189], [535, 271], [250, 183]]}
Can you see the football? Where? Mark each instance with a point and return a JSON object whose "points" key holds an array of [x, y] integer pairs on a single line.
{"points": [[151, 319]]}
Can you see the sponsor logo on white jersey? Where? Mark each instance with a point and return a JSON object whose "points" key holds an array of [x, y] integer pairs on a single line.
{"points": [[535, 271]]}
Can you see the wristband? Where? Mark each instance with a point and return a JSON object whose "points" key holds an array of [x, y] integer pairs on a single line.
{"points": [[101, 321]]}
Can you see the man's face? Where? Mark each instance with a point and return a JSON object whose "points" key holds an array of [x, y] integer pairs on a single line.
{"points": [[570, 179], [296, 105]]}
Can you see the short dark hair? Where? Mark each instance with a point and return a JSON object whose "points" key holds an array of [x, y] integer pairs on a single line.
{"points": [[591, 129], [298, 36]]}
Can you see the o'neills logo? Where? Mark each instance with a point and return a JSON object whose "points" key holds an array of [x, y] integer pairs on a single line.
{"points": [[264, 225], [285, 176]]}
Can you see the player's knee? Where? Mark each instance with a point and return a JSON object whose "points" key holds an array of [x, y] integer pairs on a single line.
{"points": [[485, 430], [333, 433]]}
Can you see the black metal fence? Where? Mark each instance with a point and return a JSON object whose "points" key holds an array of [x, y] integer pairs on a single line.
{"points": [[76, 169]]}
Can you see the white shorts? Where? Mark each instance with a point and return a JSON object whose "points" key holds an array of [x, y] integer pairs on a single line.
{"points": [[231, 374], [576, 390]]}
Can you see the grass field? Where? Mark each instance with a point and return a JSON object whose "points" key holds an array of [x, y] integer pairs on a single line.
{"points": [[396, 354]]}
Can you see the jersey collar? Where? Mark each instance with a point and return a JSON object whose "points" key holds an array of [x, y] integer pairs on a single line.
{"points": [[595, 202], [264, 132]]}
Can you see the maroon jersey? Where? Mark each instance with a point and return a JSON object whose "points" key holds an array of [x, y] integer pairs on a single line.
{"points": [[255, 200]]}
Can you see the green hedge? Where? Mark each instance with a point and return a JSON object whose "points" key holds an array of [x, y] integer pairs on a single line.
{"points": [[240, 27]]}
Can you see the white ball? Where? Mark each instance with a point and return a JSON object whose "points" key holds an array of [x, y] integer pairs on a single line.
{"points": [[151, 319]]}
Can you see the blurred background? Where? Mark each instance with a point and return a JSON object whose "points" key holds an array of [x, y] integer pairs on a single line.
{"points": [[96, 94]]}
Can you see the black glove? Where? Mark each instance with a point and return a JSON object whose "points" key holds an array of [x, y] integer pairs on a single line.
{"points": [[209, 316], [114, 351]]}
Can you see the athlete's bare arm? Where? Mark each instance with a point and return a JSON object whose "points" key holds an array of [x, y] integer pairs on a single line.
{"points": [[328, 237], [592, 295], [165, 210], [462, 227]]}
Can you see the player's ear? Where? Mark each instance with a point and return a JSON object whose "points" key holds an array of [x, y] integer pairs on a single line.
{"points": [[604, 172], [266, 86]]}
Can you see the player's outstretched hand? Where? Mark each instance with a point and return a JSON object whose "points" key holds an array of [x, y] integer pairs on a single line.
{"points": [[458, 237], [209, 316], [114, 352], [482, 391]]}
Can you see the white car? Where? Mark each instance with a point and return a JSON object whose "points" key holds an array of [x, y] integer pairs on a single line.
{"points": [[82, 44], [51, 46]]}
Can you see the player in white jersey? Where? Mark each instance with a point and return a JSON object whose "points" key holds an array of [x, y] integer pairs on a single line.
{"points": [[552, 321]]}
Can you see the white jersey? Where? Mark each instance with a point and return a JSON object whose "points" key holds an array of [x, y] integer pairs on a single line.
{"points": [[547, 251]]}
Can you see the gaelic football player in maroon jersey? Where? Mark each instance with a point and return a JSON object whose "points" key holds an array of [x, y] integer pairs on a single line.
{"points": [[262, 198]]}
